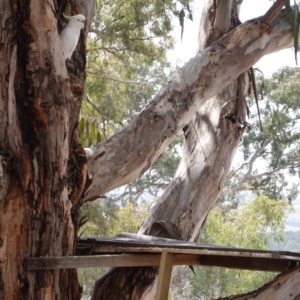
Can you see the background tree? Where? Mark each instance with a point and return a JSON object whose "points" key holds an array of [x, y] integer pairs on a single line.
{"points": [[105, 218], [291, 242], [276, 149]]}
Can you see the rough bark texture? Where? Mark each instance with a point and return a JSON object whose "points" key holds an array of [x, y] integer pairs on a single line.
{"points": [[114, 287], [39, 151]]}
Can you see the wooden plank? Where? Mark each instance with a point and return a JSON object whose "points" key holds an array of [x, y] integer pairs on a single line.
{"points": [[164, 276], [72, 262], [205, 252], [145, 241], [153, 259], [246, 263], [239, 260]]}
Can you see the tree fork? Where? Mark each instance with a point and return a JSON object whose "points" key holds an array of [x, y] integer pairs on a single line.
{"points": [[176, 103]]}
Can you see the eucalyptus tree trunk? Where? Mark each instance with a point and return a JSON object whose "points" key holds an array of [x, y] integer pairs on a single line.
{"points": [[43, 166], [210, 141]]}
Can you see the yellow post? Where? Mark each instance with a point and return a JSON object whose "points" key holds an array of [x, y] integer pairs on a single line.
{"points": [[164, 276]]}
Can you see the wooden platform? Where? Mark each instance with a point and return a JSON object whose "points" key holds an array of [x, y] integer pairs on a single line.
{"points": [[131, 250]]}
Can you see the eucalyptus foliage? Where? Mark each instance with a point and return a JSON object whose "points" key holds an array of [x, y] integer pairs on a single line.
{"points": [[127, 60], [292, 14], [252, 226], [270, 158]]}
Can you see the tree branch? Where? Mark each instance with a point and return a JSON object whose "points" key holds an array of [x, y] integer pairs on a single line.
{"points": [[246, 177], [238, 186], [273, 12], [128, 154], [89, 101], [115, 79]]}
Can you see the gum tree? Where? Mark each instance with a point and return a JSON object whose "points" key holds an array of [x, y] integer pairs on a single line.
{"points": [[45, 173]]}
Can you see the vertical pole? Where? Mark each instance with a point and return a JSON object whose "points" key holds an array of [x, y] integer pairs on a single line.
{"points": [[164, 276]]}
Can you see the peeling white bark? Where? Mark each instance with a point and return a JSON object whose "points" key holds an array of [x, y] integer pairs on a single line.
{"points": [[128, 154], [209, 146]]}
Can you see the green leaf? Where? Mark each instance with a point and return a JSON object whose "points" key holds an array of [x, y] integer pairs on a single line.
{"points": [[293, 17], [89, 133], [181, 21], [190, 15], [99, 139], [87, 130]]}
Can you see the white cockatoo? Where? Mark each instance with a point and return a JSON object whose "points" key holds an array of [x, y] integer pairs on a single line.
{"points": [[70, 35]]}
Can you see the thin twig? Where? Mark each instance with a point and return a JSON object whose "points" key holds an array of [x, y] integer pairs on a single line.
{"points": [[115, 79], [137, 93], [89, 101]]}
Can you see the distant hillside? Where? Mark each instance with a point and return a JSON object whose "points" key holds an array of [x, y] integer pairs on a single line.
{"points": [[291, 242], [293, 220]]}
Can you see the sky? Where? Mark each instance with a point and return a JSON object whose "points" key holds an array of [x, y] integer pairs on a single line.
{"points": [[250, 9], [186, 48]]}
